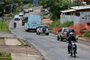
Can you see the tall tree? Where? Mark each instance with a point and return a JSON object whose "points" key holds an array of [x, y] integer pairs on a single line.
{"points": [[55, 6]]}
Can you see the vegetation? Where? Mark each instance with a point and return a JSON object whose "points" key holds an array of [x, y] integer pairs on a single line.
{"points": [[56, 23], [5, 56], [3, 26], [87, 35], [55, 6]]}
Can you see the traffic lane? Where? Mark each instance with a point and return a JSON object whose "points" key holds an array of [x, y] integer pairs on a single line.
{"points": [[58, 50], [54, 49]]}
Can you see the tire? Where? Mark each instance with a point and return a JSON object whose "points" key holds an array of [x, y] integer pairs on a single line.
{"points": [[71, 54], [47, 33], [38, 33], [27, 30], [58, 38], [61, 39], [75, 53]]}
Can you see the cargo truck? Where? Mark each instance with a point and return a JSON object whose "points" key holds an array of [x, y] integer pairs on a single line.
{"points": [[32, 22]]}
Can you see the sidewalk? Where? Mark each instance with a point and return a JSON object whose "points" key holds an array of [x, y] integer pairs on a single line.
{"points": [[11, 44]]}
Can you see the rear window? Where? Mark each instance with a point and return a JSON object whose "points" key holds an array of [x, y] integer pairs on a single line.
{"points": [[16, 19], [65, 30], [43, 26], [71, 30]]}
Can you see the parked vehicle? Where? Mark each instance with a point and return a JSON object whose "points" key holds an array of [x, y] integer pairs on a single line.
{"points": [[32, 22], [43, 29], [64, 33]]}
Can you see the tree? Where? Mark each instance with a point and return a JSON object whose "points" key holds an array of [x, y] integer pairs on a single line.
{"points": [[55, 6]]}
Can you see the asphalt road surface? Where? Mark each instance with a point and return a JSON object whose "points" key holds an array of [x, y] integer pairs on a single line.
{"points": [[49, 46]]}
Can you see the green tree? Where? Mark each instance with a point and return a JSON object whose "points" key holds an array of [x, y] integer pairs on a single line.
{"points": [[55, 6]]}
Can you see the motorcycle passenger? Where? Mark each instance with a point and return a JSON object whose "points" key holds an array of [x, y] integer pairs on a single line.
{"points": [[71, 39]]}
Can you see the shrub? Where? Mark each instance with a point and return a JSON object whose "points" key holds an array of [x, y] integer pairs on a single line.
{"points": [[87, 34]]}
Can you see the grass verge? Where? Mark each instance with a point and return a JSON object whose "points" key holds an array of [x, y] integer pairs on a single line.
{"points": [[3, 26], [5, 56]]}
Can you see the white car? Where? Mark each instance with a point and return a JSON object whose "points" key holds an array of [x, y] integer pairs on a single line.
{"points": [[30, 10], [64, 33], [42, 30], [17, 18]]}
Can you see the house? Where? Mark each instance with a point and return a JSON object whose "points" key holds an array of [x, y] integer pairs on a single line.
{"points": [[87, 2], [77, 14]]}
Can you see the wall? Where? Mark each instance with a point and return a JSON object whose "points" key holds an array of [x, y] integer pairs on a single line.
{"points": [[73, 18]]}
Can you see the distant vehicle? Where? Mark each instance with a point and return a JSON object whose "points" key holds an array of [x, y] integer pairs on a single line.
{"points": [[21, 15], [17, 18], [30, 10], [64, 33], [32, 22], [43, 29], [45, 11], [26, 11]]}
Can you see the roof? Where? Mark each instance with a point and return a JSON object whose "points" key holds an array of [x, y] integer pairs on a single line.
{"points": [[81, 7], [21, 13], [76, 8], [69, 10], [16, 16]]}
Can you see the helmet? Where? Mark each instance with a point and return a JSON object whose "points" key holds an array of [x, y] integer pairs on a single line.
{"points": [[71, 34]]}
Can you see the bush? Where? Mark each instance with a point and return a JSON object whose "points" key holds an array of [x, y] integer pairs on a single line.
{"points": [[56, 23], [87, 34]]}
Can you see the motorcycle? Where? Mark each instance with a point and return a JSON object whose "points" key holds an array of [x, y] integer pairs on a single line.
{"points": [[73, 50]]}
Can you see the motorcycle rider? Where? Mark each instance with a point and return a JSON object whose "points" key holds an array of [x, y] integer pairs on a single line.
{"points": [[71, 39]]}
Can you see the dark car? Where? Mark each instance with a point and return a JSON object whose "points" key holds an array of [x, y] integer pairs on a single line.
{"points": [[64, 33]]}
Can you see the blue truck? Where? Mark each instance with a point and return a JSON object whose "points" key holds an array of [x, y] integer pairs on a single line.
{"points": [[32, 22]]}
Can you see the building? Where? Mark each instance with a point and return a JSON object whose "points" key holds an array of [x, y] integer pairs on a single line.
{"points": [[83, 1], [77, 14]]}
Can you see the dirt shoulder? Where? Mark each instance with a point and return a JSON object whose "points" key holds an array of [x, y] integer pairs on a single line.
{"points": [[10, 44]]}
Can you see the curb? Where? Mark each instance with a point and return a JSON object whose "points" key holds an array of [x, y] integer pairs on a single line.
{"points": [[42, 53], [83, 39]]}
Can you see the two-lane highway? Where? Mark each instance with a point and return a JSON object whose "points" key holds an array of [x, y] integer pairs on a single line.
{"points": [[49, 46]]}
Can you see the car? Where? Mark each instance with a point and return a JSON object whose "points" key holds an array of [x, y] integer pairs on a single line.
{"points": [[26, 11], [30, 10], [43, 29], [21, 15], [64, 33], [17, 18]]}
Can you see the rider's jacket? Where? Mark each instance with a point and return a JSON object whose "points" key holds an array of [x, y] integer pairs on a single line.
{"points": [[71, 38]]}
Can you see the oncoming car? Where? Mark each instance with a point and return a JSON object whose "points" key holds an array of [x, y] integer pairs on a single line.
{"points": [[42, 30]]}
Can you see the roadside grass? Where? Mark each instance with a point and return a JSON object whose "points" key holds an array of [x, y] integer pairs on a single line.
{"points": [[3, 26], [56, 23], [5, 56], [87, 35]]}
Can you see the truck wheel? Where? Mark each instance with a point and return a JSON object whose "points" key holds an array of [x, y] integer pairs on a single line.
{"points": [[27, 30], [47, 33]]}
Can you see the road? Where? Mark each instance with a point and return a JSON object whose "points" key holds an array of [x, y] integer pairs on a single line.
{"points": [[49, 46]]}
